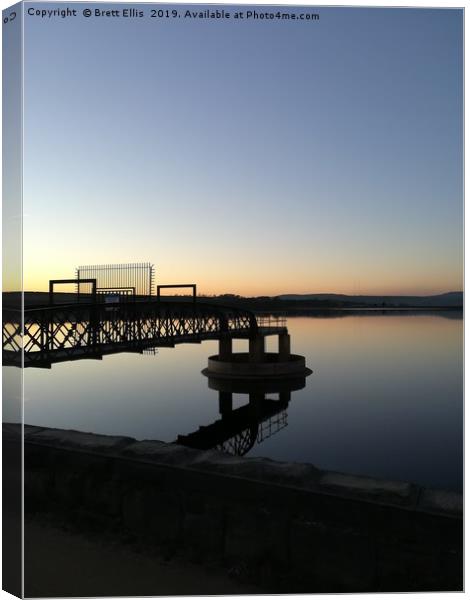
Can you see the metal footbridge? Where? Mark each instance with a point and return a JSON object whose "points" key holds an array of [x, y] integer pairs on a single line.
{"points": [[53, 334]]}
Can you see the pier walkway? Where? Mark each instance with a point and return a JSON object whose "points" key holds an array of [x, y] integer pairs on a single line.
{"points": [[53, 334]]}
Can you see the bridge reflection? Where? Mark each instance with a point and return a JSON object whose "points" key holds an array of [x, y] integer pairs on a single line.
{"points": [[238, 430], [43, 336]]}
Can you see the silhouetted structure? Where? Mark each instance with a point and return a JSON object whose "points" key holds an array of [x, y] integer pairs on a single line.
{"points": [[72, 332], [121, 279], [177, 285], [78, 282]]}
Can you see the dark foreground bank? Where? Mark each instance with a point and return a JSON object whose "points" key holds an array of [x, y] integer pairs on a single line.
{"points": [[282, 527], [63, 561]]}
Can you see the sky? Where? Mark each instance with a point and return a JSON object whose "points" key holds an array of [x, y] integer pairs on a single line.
{"points": [[255, 157]]}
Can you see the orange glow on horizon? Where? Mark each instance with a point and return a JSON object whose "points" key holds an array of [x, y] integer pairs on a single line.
{"points": [[256, 277]]}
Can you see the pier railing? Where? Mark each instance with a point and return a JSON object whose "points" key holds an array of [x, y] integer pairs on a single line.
{"points": [[70, 332], [271, 321]]}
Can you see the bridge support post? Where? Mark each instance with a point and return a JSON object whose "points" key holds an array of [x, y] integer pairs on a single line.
{"points": [[256, 348], [225, 347], [284, 347], [94, 324], [225, 403]]}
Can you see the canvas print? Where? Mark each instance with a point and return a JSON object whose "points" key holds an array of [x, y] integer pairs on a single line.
{"points": [[232, 299]]}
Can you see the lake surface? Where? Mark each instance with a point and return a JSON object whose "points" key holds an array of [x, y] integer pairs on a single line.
{"points": [[385, 398]]}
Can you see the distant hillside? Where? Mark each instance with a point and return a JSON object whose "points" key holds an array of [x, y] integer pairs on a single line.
{"points": [[295, 304], [454, 299]]}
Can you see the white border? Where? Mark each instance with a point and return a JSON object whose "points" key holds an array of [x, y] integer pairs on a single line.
{"points": [[352, 3]]}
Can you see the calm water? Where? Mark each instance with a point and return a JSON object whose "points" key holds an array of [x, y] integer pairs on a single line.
{"points": [[384, 399]]}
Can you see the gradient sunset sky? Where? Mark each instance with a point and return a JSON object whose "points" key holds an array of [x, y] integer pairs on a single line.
{"points": [[253, 157]]}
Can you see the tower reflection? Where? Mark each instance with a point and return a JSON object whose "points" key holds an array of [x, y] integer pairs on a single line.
{"points": [[239, 429]]}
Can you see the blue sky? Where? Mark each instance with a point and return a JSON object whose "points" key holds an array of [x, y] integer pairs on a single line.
{"points": [[255, 157]]}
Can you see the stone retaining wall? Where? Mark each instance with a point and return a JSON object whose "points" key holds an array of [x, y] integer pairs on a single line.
{"points": [[288, 526]]}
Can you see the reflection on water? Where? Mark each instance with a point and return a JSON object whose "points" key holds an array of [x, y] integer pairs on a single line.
{"points": [[239, 429], [385, 397]]}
